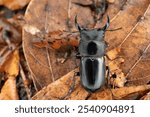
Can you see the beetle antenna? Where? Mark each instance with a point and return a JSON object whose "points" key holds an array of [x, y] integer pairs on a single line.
{"points": [[76, 24], [114, 29], [107, 24]]}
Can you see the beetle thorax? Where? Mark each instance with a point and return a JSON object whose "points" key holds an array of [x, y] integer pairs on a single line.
{"points": [[92, 48], [92, 43]]}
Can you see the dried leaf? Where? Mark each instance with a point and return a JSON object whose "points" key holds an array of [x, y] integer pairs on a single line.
{"points": [[31, 29], [111, 1], [13, 32], [12, 65], [60, 88], [117, 77], [14, 4], [9, 90], [112, 54], [146, 97], [121, 93]]}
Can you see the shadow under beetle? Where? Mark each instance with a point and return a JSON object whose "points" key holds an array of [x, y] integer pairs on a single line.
{"points": [[91, 53]]}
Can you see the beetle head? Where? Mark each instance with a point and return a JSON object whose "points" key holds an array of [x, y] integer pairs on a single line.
{"points": [[92, 40], [92, 34]]}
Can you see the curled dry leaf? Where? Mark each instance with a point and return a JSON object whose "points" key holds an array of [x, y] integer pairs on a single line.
{"points": [[14, 4], [11, 68]]}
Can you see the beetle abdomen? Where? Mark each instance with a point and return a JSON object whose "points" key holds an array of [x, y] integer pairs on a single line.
{"points": [[92, 72]]}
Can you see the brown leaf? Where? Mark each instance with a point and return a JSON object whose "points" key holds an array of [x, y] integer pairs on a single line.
{"points": [[111, 1], [146, 97], [14, 4], [117, 77], [131, 93], [112, 54], [60, 88], [12, 65], [11, 68], [9, 90], [135, 51], [13, 32], [133, 41]]}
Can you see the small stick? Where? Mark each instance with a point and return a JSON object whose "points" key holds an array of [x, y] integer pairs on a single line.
{"points": [[24, 82]]}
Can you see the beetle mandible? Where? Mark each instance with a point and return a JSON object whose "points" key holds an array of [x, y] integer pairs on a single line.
{"points": [[91, 52]]}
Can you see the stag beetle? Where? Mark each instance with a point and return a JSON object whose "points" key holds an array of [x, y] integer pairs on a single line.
{"points": [[91, 53]]}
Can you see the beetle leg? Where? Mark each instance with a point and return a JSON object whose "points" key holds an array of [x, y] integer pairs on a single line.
{"points": [[107, 76]]}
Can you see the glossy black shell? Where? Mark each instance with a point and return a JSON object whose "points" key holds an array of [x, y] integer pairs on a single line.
{"points": [[92, 73]]}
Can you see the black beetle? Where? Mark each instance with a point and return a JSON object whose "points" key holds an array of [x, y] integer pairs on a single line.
{"points": [[91, 52]]}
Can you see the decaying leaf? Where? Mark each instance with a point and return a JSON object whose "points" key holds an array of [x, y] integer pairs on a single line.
{"points": [[14, 4], [9, 90]]}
